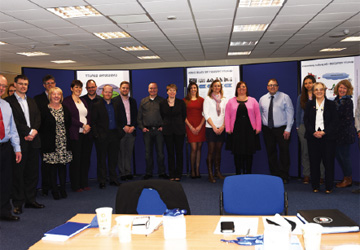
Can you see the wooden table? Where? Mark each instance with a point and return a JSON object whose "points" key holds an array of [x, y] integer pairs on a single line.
{"points": [[199, 235]]}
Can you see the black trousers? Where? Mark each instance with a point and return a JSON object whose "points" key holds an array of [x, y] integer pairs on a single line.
{"points": [[26, 177], [322, 150], [7, 158], [57, 171], [79, 166], [107, 148], [279, 164], [174, 146]]}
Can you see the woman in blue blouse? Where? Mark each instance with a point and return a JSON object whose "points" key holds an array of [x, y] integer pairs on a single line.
{"points": [[347, 132]]}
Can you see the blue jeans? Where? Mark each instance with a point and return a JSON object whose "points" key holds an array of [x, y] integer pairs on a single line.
{"points": [[151, 138], [343, 158]]}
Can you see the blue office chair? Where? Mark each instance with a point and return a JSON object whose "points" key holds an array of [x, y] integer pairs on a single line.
{"points": [[150, 197], [253, 194]]}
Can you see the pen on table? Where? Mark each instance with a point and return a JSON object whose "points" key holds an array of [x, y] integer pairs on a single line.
{"points": [[155, 229]]}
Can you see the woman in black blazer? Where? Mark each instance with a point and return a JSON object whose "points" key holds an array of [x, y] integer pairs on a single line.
{"points": [[173, 112], [321, 123]]}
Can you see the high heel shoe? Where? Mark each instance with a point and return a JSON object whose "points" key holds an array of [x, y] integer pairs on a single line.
{"points": [[63, 194]]}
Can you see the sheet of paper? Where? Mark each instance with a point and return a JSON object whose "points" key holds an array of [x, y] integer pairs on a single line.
{"points": [[298, 222], [242, 225], [295, 244]]}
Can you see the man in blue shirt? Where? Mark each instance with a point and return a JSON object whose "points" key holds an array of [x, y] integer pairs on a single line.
{"points": [[8, 137], [277, 115]]}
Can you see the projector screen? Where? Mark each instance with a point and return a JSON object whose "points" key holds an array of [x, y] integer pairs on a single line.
{"points": [[103, 77], [203, 76]]}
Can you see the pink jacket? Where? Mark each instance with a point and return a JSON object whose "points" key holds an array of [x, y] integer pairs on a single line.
{"points": [[253, 110]]}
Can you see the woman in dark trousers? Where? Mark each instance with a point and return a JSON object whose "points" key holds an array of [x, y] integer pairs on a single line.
{"points": [[79, 138], [173, 113], [347, 132], [321, 123], [55, 141]]}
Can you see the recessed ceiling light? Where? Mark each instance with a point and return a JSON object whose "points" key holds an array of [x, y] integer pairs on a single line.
{"points": [[134, 48], [74, 11], [2, 43], [351, 39], [64, 61], [243, 43], [36, 53], [171, 18], [242, 53], [332, 49], [148, 57], [250, 27], [112, 35], [260, 3], [61, 44]]}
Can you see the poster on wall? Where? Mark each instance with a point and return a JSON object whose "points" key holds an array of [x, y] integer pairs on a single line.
{"points": [[333, 70], [203, 76], [103, 77]]}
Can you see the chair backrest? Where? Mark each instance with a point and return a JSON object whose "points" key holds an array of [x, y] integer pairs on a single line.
{"points": [[253, 194], [170, 193], [150, 202]]}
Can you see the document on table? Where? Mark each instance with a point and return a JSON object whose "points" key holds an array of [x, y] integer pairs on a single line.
{"points": [[154, 224], [297, 229], [243, 226], [294, 241]]}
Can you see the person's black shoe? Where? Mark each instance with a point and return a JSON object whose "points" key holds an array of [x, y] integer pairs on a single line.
{"points": [[55, 195], [34, 205], [114, 183], [147, 176], [63, 194], [45, 192], [164, 176], [123, 178], [10, 218], [102, 185], [129, 177], [17, 210]]}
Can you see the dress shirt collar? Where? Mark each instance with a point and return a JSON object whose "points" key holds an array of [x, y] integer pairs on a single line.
{"points": [[18, 97]]}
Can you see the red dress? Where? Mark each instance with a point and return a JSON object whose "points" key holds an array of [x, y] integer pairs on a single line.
{"points": [[194, 110]]}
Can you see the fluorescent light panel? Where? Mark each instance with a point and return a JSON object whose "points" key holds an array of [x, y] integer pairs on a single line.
{"points": [[148, 57], [351, 39], [134, 48], [332, 49], [112, 35], [64, 61], [260, 3], [2, 43], [74, 11], [36, 53], [242, 53], [250, 27], [243, 43]]}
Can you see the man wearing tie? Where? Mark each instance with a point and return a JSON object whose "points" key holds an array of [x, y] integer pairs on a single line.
{"points": [[8, 137], [277, 115], [26, 173]]}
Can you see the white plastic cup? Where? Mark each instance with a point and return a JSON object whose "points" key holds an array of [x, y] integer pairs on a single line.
{"points": [[312, 236], [104, 217], [276, 237], [174, 227], [124, 224]]}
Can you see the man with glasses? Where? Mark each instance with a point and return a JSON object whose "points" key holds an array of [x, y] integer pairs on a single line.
{"points": [[42, 102], [91, 97], [25, 173], [8, 137], [277, 115]]}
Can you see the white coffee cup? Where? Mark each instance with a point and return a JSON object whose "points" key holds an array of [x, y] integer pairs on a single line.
{"points": [[104, 217], [312, 236], [124, 223]]}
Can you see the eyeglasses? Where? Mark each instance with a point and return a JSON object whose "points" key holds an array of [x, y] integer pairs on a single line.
{"points": [[47, 83], [273, 85], [3, 85]]}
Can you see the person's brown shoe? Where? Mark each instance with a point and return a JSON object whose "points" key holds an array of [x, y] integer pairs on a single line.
{"points": [[306, 179], [347, 182]]}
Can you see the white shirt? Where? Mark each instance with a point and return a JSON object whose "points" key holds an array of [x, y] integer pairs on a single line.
{"points": [[319, 119], [82, 114], [210, 111]]}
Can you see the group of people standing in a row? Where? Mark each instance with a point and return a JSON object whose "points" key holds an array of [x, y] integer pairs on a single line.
{"points": [[64, 130]]}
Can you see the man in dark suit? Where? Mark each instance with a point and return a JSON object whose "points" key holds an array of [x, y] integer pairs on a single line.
{"points": [[26, 173], [128, 117], [107, 133], [42, 101]]}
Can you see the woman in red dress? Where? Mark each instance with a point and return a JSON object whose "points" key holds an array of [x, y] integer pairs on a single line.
{"points": [[195, 126]]}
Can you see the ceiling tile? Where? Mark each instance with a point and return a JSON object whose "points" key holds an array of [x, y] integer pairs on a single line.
{"points": [[120, 9]]}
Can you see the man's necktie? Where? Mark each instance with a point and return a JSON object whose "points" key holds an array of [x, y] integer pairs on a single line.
{"points": [[2, 128], [271, 115]]}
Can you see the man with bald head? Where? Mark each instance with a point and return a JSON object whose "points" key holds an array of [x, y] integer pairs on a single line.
{"points": [[107, 134], [9, 140]]}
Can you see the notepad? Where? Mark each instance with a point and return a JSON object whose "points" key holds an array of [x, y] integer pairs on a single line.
{"points": [[332, 220], [65, 231]]}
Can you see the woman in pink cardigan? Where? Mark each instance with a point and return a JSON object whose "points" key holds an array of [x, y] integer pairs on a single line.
{"points": [[243, 124]]}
